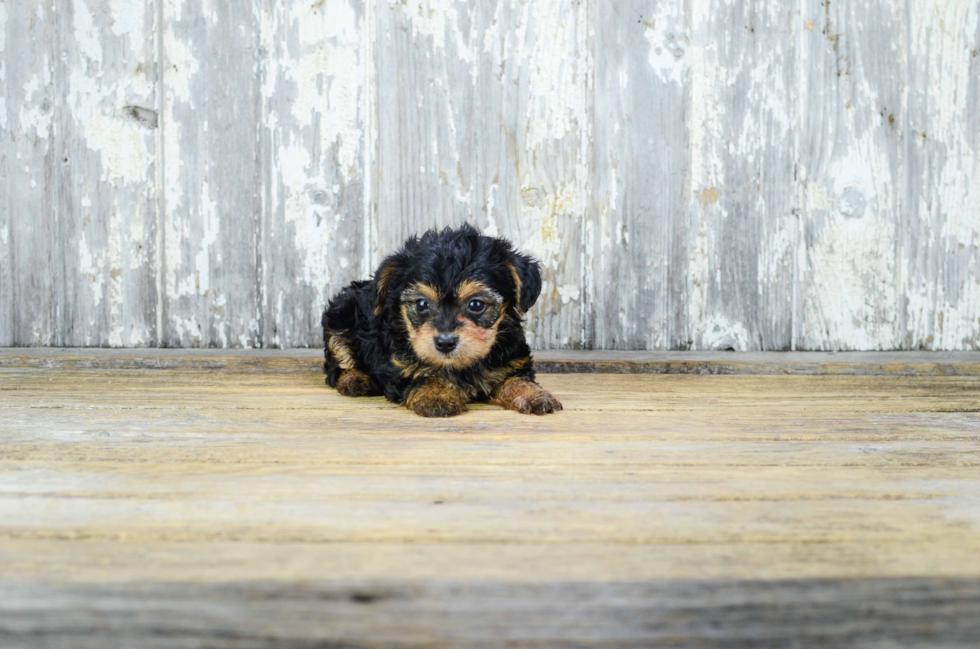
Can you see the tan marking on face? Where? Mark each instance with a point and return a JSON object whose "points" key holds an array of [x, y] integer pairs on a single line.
{"points": [[475, 343], [503, 314], [426, 291], [408, 321], [517, 286], [424, 344], [469, 288], [340, 348]]}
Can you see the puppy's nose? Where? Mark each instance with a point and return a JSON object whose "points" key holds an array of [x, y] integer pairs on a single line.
{"points": [[446, 342]]}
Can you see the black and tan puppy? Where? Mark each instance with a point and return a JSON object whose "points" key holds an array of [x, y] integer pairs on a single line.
{"points": [[438, 327]]}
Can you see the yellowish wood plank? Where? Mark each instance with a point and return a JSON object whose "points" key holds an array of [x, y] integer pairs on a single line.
{"points": [[217, 476]]}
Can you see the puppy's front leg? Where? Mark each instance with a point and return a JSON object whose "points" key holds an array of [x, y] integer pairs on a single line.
{"points": [[436, 398], [525, 396]]}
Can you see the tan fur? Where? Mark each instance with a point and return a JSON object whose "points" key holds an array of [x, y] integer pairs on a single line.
{"points": [[525, 396], [383, 278], [355, 383], [486, 382], [517, 287], [474, 344], [426, 291], [340, 348], [490, 381], [469, 288], [436, 398]]}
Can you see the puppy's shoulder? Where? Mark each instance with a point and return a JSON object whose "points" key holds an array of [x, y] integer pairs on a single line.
{"points": [[350, 307]]}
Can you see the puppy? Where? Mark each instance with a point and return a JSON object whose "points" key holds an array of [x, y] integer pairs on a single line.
{"points": [[439, 327]]}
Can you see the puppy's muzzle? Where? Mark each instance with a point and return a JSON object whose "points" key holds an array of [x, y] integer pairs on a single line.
{"points": [[446, 343]]}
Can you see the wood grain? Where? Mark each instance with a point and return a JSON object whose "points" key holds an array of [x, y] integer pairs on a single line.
{"points": [[696, 175], [315, 78], [637, 235], [722, 615], [941, 238], [545, 361], [743, 226], [212, 227], [851, 170], [243, 508], [78, 180]]}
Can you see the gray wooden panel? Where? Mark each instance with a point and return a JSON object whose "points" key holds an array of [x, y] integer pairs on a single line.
{"points": [[6, 136], [851, 173], [743, 228], [483, 117], [314, 80], [637, 237], [77, 255], [212, 230], [941, 243], [700, 175]]}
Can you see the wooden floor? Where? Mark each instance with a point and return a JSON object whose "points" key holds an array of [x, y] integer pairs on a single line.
{"points": [[251, 506]]}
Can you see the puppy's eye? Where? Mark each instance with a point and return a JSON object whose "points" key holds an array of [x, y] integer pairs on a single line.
{"points": [[477, 306], [421, 306]]}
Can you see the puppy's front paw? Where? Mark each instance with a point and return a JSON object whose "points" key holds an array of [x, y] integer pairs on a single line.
{"points": [[436, 398], [541, 403], [526, 397], [435, 407], [354, 383]]}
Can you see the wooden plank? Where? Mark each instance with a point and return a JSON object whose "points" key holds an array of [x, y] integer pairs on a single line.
{"points": [[850, 175], [914, 612], [637, 239], [178, 506], [314, 79], [78, 120], [941, 226], [6, 267], [742, 227], [212, 225], [546, 361], [483, 117]]}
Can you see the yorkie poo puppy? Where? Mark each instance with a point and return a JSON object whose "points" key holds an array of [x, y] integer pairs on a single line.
{"points": [[438, 327]]}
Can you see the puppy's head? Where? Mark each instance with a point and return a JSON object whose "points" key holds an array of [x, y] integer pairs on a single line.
{"points": [[451, 290]]}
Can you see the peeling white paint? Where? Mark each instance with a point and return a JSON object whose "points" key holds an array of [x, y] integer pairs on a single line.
{"points": [[433, 19], [182, 65], [667, 34], [3, 30], [851, 298], [325, 74], [211, 223], [569, 292], [718, 333], [87, 34], [557, 107], [35, 119], [127, 20]]}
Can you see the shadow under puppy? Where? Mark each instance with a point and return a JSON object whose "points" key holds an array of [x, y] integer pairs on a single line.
{"points": [[438, 327]]}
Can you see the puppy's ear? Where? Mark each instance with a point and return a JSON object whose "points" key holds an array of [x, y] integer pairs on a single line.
{"points": [[527, 280], [383, 280]]}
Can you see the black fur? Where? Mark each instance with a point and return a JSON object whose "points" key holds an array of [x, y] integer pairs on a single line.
{"points": [[367, 315]]}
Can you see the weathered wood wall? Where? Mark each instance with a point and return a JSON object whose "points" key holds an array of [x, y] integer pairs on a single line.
{"points": [[694, 174]]}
